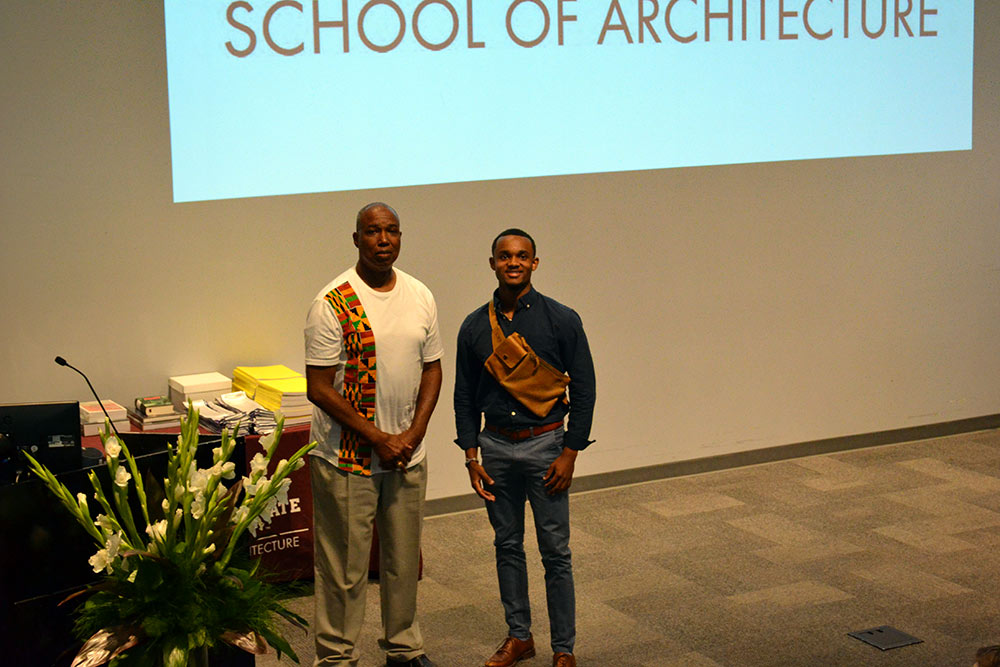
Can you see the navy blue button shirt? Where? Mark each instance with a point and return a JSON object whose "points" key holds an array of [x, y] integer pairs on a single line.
{"points": [[555, 333]]}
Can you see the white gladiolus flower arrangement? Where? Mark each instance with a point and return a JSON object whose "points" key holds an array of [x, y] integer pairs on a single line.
{"points": [[182, 582]]}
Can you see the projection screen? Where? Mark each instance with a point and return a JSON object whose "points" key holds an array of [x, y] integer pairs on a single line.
{"points": [[271, 98]]}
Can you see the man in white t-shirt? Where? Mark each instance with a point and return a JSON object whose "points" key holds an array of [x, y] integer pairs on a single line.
{"points": [[374, 373]]}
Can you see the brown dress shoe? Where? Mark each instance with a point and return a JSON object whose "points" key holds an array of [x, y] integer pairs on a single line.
{"points": [[563, 660], [511, 651]]}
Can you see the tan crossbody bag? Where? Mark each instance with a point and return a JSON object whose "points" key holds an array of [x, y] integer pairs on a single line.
{"points": [[529, 378]]}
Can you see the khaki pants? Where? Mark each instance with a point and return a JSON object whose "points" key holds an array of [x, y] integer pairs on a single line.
{"points": [[344, 507]]}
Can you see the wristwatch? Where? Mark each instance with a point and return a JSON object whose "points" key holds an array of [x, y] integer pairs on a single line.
{"points": [[469, 460]]}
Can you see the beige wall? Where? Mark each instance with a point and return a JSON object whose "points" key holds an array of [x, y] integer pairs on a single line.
{"points": [[729, 308]]}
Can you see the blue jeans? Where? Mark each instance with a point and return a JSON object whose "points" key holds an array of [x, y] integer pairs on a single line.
{"points": [[517, 470]]}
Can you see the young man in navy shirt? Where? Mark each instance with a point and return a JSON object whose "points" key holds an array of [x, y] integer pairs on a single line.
{"points": [[525, 456]]}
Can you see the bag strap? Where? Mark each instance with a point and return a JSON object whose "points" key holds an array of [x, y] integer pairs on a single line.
{"points": [[498, 337]]}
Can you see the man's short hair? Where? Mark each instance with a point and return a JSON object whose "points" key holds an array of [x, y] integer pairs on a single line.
{"points": [[513, 231], [374, 205]]}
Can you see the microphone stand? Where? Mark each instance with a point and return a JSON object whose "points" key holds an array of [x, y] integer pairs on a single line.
{"points": [[63, 362]]}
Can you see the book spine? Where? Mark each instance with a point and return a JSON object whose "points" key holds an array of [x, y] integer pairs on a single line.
{"points": [[158, 410]]}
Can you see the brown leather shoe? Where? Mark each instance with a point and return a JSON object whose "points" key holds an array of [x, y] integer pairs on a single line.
{"points": [[563, 660], [511, 651]]}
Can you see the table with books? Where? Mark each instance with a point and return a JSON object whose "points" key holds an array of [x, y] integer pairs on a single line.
{"points": [[285, 544], [250, 399]]}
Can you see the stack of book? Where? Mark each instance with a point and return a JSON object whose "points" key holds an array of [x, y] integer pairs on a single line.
{"points": [[277, 388], [248, 378], [153, 413], [92, 417], [198, 387]]}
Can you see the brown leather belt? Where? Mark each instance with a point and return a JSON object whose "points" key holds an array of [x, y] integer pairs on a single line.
{"points": [[524, 433]]}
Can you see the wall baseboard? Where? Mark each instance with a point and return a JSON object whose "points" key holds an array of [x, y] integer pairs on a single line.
{"points": [[604, 480]]}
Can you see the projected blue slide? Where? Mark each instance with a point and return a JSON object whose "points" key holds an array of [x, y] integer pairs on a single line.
{"points": [[271, 97]]}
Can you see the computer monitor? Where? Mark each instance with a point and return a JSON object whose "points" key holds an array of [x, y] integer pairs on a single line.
{"points": [[50, 432]]}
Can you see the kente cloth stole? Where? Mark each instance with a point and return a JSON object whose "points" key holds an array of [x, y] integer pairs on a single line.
{"points": [[359, 375]]}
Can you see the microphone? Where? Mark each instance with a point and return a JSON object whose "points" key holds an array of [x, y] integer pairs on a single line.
{"points": [[63, 362]]}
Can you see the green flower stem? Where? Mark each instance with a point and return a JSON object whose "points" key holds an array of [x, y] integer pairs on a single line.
{"points": [[66, 498], [120, 497], [277, 437], [121, 502], [187, 446], [113, 464], [140, 488], [102, 499], [204, 535], [170, 537], [188, 527], [259, 501]]}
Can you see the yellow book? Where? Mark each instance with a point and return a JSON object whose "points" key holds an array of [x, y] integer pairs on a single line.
{"points": [[275, 394], [269, 402], [248, 379], [275, 372], [293, 385]]}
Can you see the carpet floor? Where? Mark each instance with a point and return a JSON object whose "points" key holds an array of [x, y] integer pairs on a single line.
{"points": [[772, 564]]}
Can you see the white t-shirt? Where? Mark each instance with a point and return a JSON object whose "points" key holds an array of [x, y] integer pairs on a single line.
{"points": [[404, 321]]}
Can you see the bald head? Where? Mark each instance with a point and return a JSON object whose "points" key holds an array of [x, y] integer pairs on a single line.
{"points": [[368, 210]]}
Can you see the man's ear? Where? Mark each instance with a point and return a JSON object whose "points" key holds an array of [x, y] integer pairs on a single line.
{"points": [[493, 264], [355, 237], [534, 264]]}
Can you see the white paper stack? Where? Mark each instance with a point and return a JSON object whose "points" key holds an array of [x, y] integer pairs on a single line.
{"points": [[215, 417], [234, 408]]}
